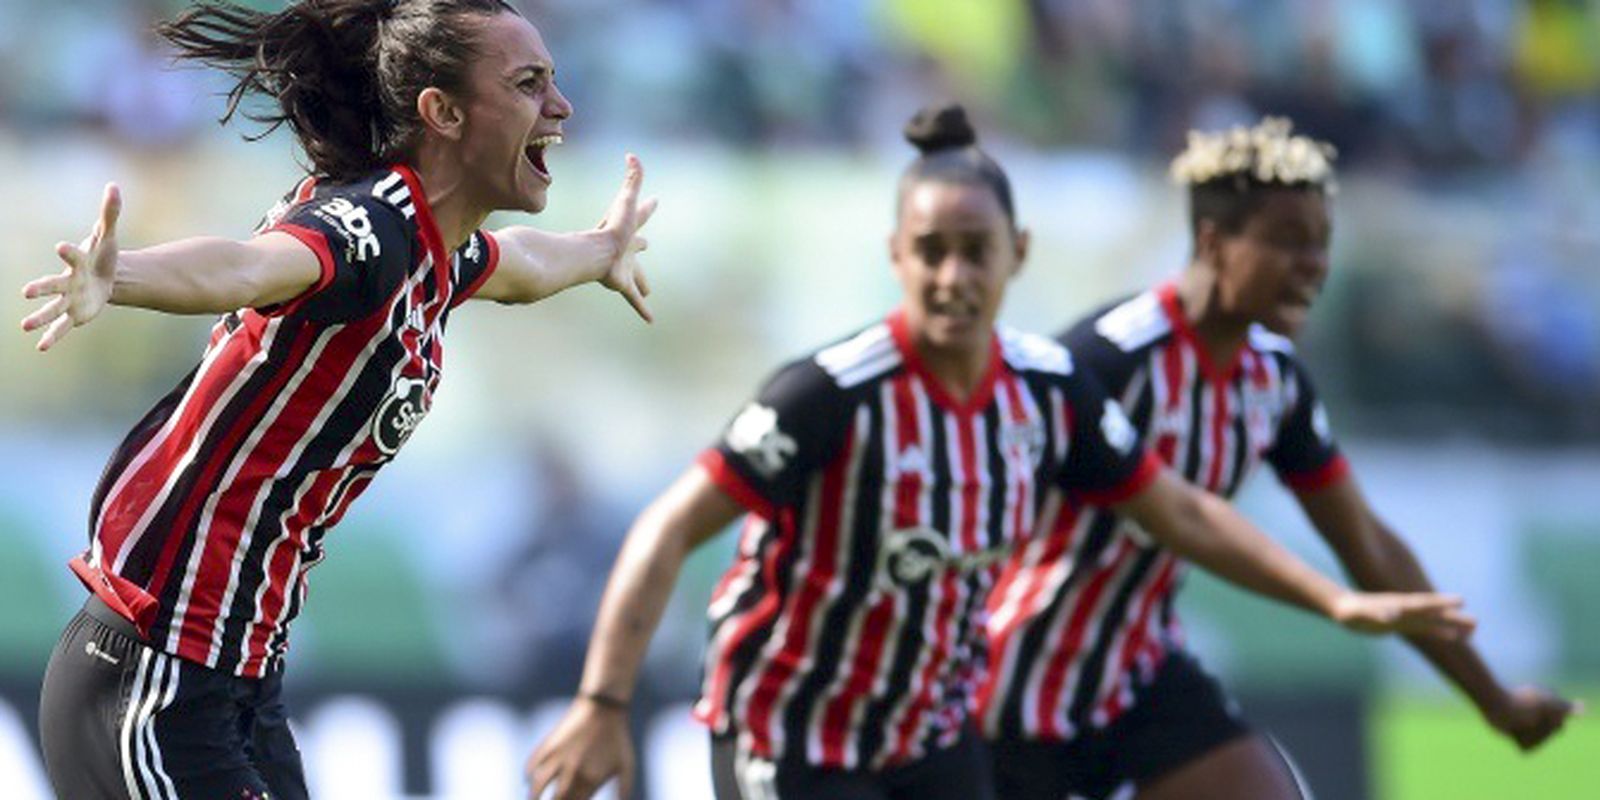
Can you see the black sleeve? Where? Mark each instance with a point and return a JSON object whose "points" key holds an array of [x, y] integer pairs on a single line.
{"points": [[1106, 459], [365, 250], [794, 427], [471, 266], [1305, 454], [1112, 366]]}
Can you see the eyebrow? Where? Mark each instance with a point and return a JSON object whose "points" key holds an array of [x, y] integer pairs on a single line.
{"points": [[540, 70]]}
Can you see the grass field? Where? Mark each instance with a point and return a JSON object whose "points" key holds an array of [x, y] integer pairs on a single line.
{"points": [[1433, 749]]}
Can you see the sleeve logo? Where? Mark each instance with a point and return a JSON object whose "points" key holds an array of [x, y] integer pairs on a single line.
{"points": [[363, 242], [1116, 428], [754, 434], [1320, 425]]}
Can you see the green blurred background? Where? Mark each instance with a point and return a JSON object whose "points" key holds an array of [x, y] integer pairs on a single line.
{"points": [[1458, 342]]}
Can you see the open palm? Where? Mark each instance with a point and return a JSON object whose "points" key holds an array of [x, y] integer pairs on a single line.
{"points": [[79, 292]]}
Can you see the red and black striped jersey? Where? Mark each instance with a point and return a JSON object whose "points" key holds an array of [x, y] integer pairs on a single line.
{"points": [[1077, 617], [215, 506], [849, 630]]}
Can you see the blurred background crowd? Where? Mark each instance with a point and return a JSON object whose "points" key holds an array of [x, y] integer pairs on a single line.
{"points": [[1458, 340]]}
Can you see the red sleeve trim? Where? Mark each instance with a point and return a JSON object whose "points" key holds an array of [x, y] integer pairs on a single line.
{"points": [[1337, 469], [318, 243], [1149, 468], [733, 484], [477, 283]]}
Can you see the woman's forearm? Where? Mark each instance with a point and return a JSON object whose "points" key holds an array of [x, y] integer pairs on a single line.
{"points": [[209, 275]]}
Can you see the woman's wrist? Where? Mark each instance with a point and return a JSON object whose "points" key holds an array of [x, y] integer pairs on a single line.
{"points": [[605, 700]]}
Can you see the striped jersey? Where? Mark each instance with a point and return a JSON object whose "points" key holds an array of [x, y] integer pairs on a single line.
{"points": [[848, 631], [215, 506], [1078, 617]]}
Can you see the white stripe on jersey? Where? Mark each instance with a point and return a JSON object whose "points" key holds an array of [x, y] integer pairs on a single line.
{"points": [[148, 451], [397, 193], [208, 514], [268, 337], [1263, 339], [1027, 351], [1135, 323], [860, 358]]}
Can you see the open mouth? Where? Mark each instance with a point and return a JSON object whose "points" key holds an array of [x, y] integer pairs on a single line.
{"points": [[534, 153]]}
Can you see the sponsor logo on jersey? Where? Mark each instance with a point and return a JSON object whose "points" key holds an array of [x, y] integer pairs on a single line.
{"points": [[754, 434], [908, 557], [399, 414], [361, 240]]}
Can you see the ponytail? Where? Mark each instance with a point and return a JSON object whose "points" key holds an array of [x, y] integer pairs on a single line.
{"points": [[343, 74]]}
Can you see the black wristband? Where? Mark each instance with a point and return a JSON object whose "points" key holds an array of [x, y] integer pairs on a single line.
{"points": [[605, 700]]}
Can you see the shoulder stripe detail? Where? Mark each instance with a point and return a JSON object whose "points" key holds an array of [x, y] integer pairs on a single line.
{"points": [[1263, 339], [1135, 323], [394, 191], [1027, 351], [860, 358]]}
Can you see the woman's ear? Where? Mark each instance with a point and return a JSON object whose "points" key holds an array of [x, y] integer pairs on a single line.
{"points": [[1022, 239], [440, 113]]}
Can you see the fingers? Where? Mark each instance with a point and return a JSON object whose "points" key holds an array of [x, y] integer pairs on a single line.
{"points": [[638, 244], [55, 333], [647, 209], [640, 281], [46, 314], [71, 254], [110, 210], [627, 197], [631, 292], [49, 284], [1413, 603]]}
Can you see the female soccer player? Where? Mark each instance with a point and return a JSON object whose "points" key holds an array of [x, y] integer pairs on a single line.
{"points": [[1090, 685], [420, 117], [884, 479]]}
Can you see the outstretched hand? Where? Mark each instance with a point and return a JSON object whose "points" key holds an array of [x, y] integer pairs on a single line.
{"points": [[590, 746], [1419, 613], [79, 292], [621, 225], [1529, 715]]}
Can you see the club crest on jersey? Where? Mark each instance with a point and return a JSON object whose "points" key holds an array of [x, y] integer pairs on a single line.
{"points": [[361, 242], [908, 557], [1025, 437], [754, 434], [399, 414], [1116, 428]]}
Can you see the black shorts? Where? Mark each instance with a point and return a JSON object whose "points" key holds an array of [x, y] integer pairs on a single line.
{"points": [[1183, 714], [119, 719], [959, 772]]}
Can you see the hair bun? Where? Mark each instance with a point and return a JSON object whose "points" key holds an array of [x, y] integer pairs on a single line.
{"points": [[940, 127]]}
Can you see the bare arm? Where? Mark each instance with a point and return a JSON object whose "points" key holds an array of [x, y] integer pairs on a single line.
{"points": [[191, 276], [535, 264], [1379, 560], [1207, 530], [591, 744]]}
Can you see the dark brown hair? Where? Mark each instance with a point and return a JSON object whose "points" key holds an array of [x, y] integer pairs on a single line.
{"points": [[343, 74], [949, 152]]}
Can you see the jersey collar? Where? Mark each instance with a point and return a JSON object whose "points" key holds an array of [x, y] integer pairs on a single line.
{"points": [[980, 397], [426, 227], [1167, 293]]}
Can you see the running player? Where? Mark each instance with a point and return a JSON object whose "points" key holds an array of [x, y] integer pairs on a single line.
{"points": [[1090, 685], [419, 117], [884, 478]]}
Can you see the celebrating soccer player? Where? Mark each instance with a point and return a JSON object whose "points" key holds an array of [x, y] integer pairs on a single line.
{"points": [[419, 117], [1090, 685], [884, 478]]}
